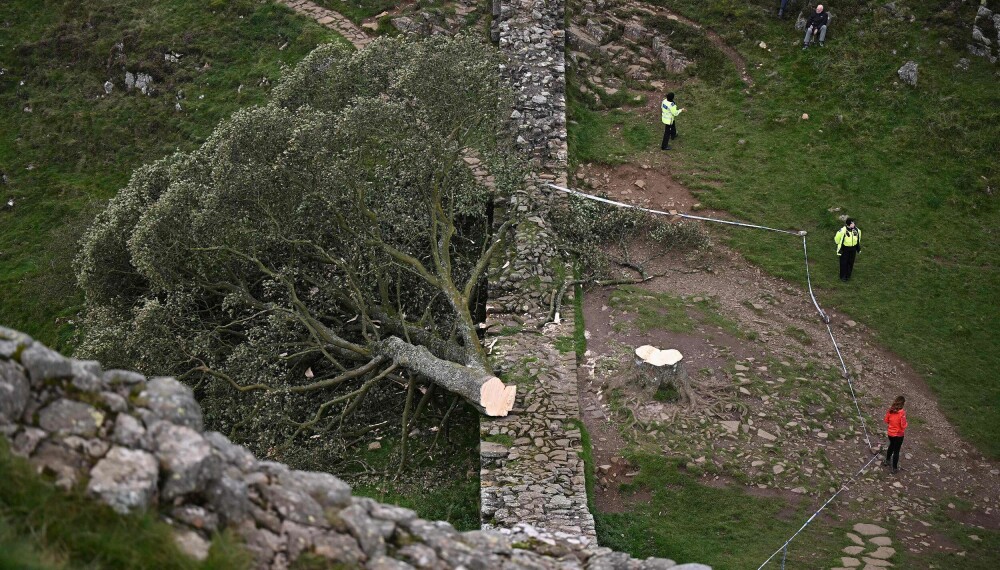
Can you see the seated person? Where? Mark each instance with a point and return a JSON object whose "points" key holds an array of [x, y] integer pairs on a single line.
{"points": [[816, 26]]}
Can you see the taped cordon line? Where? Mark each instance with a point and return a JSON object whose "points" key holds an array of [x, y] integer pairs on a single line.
{"points": [[784, 547], [662, 213], [822, 314], [805, 254]]}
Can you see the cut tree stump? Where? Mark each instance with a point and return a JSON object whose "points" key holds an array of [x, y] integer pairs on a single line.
{"points": [[664, 368]]}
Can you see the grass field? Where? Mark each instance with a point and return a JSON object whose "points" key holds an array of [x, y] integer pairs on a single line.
{"points": [[916, 167], [66, 147]]}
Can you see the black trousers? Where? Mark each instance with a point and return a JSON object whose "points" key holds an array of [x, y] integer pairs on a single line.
{"points": [[892, 454], [669, 132], [847, 255]]}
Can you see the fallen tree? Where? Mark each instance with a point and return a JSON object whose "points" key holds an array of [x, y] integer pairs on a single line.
{"points": [[318, 246]]}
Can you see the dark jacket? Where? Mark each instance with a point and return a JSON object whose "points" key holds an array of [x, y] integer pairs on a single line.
{"points": [[818, 20]]}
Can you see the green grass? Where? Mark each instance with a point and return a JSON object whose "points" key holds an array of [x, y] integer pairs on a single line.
{"points": [[440, 477], [43, 527], [439, 482], [605, 137], [915, 166], [565, 344], [501, 438], [454, 501], [725, 528], [587, 455], [661, 311], [799, 335], [978, 554], [77, 147], [687, 521]]}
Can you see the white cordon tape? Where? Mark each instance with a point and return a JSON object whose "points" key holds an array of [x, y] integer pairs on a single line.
{"points": [[662, 213], [805, 254], [822, 314]]}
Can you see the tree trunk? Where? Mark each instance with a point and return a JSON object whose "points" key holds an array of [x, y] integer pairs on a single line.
{"points": [[480, 388], [665, 368]]}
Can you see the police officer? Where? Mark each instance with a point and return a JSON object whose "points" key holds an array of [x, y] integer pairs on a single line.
{"points": [[848, 241], [668, 114]]}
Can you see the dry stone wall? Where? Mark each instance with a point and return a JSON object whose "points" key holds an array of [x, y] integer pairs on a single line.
{"points": [[139, 443], [531, 465], [531, 34], [986, 33]]}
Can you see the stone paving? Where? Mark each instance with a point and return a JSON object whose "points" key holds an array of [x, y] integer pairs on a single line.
{"points": [[531, 465], [870, 543], [333, 20]]}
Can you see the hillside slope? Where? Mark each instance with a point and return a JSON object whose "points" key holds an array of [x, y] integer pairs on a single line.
{"points": [[67, 143], [834, 131]]}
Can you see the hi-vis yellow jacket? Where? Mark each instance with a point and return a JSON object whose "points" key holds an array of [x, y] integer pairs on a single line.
{"points": [[847, 237], [668, 111]]}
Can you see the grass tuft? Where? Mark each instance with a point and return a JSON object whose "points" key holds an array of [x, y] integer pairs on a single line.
{"points": [[43, 527]]}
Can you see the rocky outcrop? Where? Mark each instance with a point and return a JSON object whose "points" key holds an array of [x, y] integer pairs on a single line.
{"points": [[139, 444], [986, 34]]}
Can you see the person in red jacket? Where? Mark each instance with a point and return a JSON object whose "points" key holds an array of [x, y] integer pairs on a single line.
{"points": [[895, 418]]}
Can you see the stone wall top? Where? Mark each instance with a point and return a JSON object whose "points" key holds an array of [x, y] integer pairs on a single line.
{"points": [[139, 443]]}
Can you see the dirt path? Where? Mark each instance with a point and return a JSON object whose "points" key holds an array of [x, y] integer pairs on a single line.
{"points": [[775, 372]]}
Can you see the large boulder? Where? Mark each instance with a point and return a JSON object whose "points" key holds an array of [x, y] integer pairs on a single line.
{"points": [[172, 401], [14, 391], [43, 364], [673, 60], [87, 376], [69, 417], [12, 341], [125, 479], [128, 431], [598, 31], [188, 460], [634, 31], [63, 464], [326, 489], [579, 39]]}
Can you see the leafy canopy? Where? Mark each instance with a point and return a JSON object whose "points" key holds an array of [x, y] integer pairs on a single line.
{"points": [[268, 266]]}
